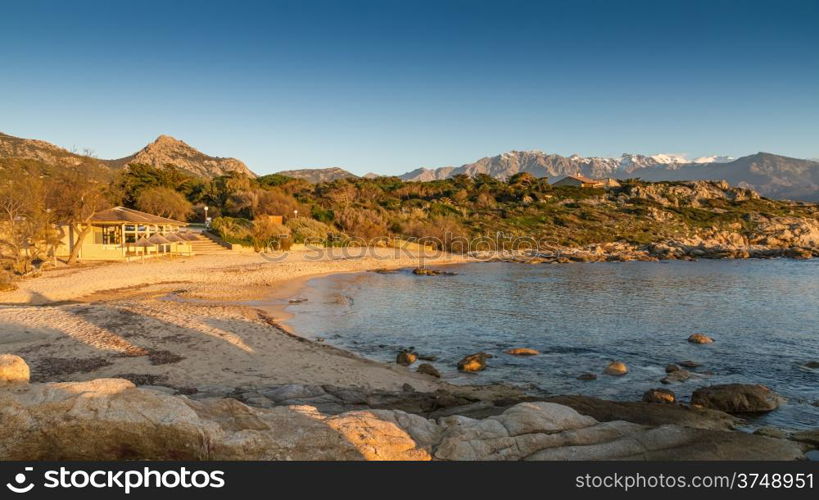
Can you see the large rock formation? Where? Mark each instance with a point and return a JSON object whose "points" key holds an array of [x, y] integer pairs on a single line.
{"points": [[111, 419], [166, 150]]}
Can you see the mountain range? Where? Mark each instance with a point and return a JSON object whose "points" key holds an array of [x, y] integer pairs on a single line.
{"points": [[771, 175]]}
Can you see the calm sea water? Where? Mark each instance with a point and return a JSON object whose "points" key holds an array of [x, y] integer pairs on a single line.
{"points": [[764, 316]]}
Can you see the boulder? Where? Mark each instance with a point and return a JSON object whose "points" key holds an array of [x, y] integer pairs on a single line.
{"points": [[699, 338], [671, 368], [406, 357], [676, 377], [689, 364], [737, 398], [587, 376], [474, 362], [812, 364], [428, 369], [522, 351], [616, 368], [13, 370], [659, 396]]}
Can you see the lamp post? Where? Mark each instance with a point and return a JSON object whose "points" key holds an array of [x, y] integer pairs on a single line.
{"points": [[295, 213], [206, 215]]}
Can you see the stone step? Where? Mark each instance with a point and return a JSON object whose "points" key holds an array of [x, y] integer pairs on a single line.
{"points": [[206, 246]]}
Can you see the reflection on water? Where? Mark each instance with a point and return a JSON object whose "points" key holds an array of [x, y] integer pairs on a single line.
{"points": [[763, 314]]}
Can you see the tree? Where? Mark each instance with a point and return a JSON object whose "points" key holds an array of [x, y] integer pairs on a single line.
{"points": [[165, 202], [275, 202], [76, 195], [138, 177], [26, 232], [522, 178]]}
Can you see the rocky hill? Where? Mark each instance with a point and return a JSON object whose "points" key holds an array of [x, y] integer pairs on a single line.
{"points": [[772, 175], [316, 175], [164, 151], [32, 149]]}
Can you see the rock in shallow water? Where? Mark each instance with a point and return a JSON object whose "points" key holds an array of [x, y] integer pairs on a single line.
{"points": [[659, 396], [428, 369], [522, 351], [406, 358], [676, 377], [423, 271], [699, 338], [616, 368], [737, 398], [474, 362]]}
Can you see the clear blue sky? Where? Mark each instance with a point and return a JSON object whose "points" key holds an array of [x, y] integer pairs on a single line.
{"points": [[390, 86]]}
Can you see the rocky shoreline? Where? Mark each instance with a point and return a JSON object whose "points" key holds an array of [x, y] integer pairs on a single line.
{"points": [[796, 239], [112, 419]]}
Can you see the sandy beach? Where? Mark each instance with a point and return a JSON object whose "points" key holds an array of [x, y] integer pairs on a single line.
{"points": [[117, 320]]}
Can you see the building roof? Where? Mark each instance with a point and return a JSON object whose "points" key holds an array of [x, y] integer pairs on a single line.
{"points": [[122, 215], [582, 178]]}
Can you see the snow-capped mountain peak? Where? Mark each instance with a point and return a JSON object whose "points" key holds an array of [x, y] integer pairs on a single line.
{"points": [[713, 159]]}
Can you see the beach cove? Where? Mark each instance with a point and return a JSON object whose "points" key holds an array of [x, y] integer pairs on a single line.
{"points": [[207, 328]]}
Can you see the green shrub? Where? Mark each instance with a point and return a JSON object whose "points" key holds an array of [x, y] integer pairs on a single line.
{"points": [[305, 229], [233, 229], [322, 215]]}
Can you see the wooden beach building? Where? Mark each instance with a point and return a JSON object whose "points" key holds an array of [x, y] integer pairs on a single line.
{"points": [[121, 233]]}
